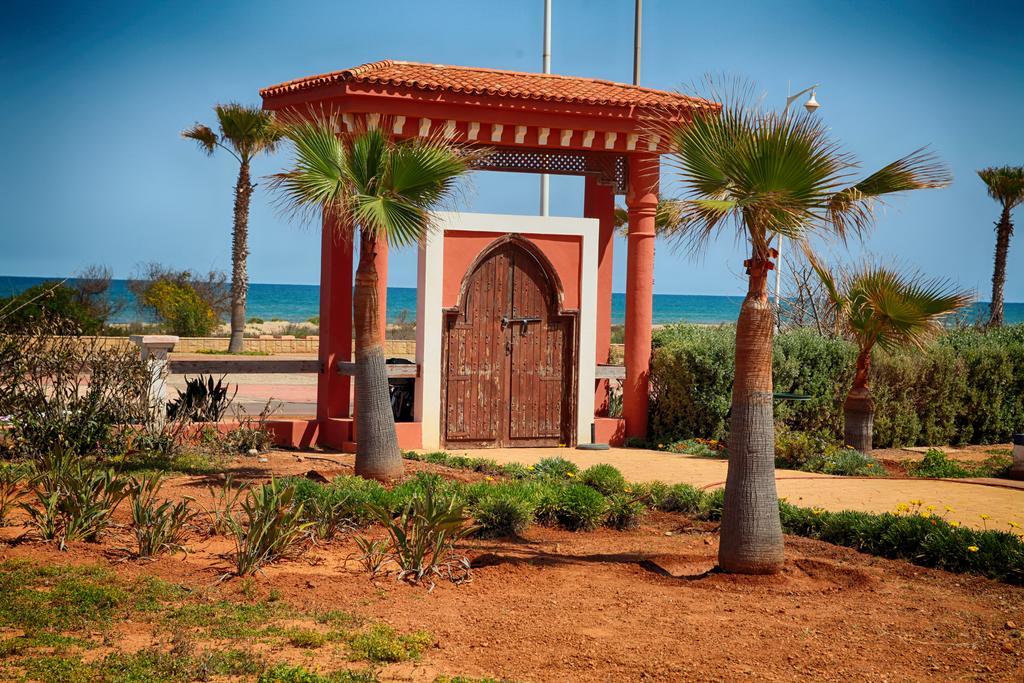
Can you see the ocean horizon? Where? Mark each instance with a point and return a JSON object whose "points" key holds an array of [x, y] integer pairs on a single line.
{"points": [[299, 303]]}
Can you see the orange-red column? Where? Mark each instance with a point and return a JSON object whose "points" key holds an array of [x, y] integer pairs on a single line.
{"points": [[381, 263], [599, 203], [642, 205], [332, 389]]}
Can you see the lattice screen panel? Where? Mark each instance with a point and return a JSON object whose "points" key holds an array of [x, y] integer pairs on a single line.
{"points": [[610, 168]]}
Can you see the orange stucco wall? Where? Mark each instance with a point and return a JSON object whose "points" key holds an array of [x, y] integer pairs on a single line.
{"points": [[462, 247]]}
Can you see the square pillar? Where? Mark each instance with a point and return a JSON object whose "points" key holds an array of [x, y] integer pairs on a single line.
{"points": [[642, 206], [154, 350], [380, 262], [599, 203], [333, 390]]}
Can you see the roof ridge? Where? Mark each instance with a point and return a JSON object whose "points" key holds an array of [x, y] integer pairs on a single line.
{"points": [[371, 72]]}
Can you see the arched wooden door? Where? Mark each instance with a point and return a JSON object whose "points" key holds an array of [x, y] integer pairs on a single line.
{"points": [[509, 355]]}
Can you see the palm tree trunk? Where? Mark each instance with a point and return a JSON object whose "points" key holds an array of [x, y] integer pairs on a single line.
{"points": [[751, 533], [377, 452], [1004, 230], [859, 408], [239, 256]]}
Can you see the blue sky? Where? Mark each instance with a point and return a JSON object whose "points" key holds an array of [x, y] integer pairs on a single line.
{"points": [[96, 93]]}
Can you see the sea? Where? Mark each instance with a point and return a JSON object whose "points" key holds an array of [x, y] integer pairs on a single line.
{"points": [[298, 303]]}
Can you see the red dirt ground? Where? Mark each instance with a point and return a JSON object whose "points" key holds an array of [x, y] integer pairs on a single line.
{"points": [[627, 606]]}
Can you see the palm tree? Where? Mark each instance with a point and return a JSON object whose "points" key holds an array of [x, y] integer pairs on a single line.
{"points": [[388, 190], [1006, 186], [882, 307], [768, 174], [244, 133]]}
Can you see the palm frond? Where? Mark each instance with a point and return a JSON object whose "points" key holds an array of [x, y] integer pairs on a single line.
{"points": [[850, 209], [886, 307], [388, 189], [768, 174], [248, 130], [203, 135], [1005, 184], [318, 179]]}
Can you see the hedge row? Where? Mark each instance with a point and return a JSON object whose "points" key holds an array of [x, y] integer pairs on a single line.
{"points": [[966, 387], [910, 533]]}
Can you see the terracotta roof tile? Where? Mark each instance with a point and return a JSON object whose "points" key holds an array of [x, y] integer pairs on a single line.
{"points": [[514, 84]]}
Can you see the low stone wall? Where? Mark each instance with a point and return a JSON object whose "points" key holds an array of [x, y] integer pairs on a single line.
{"points": [[271, 345]]}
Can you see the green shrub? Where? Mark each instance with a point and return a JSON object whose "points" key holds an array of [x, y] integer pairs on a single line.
{"points": [[548, 500], [923, 539], [966, 387], [73, 499], [555, 468], [580, 508], [382, 644], [624, 512], [158, 527], [937, 465], [794, 449], [424, 532], [56, 303], [846, 462], [504, 510], [270, 527], [682, 498], [603, 478]]}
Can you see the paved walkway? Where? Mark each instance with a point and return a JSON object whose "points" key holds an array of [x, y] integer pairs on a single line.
{"points": [[969, 500]]}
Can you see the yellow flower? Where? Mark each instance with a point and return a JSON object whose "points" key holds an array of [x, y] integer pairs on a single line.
{"points": [[972, 548], [930, 508], [569, 474], [531, 468], [488, 478], [902, 507], [954, 524], [1014, 525], [949, 509], [983, 516], [916, 502]]}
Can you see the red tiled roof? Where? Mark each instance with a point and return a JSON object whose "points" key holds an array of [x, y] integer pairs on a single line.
{"points": [[515, 84]]}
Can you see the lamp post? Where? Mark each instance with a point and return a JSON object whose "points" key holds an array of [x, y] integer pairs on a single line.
{"points": [[811, 105], [545, 186]]}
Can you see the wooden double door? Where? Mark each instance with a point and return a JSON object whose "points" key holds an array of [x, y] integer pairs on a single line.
{"points": [[509, 355]]}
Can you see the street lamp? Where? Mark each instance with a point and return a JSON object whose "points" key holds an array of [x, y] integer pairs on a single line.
{"points": [[811, 105]]}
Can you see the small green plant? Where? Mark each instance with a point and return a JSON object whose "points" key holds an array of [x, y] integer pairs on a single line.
{"points": [[604, 479], [12, 481], [374, 555], [580, 508], [381, 643], [306, 638], [846, 462], [287, 673], [252, 432], [504, 510], [226, 499], [548, 497], [793, 449], [270, 527], [624, 512], [682, 498], [74, 499], [157, 527], [555, 468], [937, 465], [423, 535], [202, 401]]}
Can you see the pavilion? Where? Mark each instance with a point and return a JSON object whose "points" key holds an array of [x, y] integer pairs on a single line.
{"points": [[533, 123]]}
